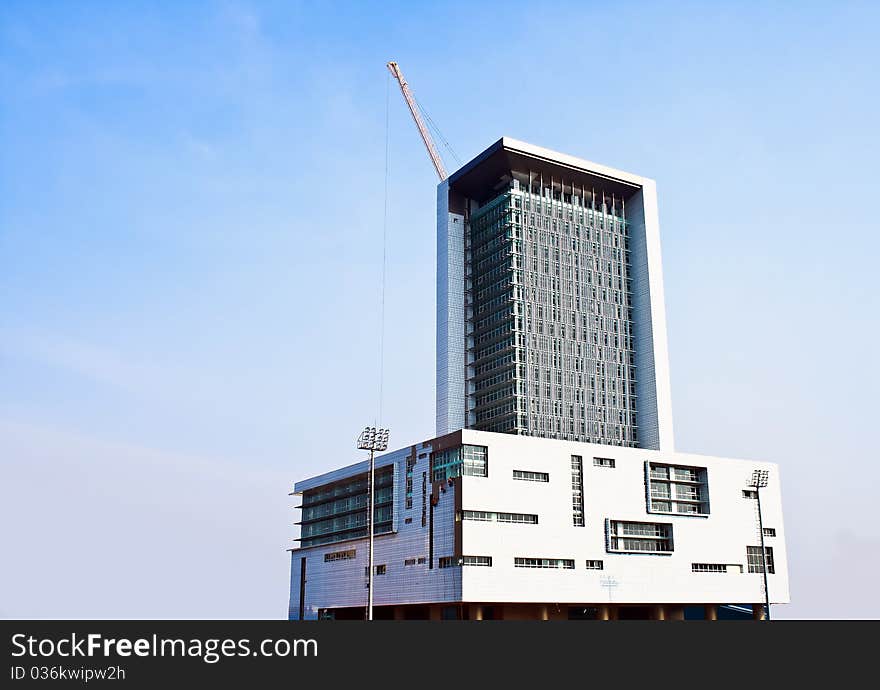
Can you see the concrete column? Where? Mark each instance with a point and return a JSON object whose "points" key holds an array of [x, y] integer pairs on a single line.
{"points": [[711, 612], [477, 610], [604, 613], [399, 614], [659, 613], [675, 613], [758, 612], [434, 613], [544, 613]]}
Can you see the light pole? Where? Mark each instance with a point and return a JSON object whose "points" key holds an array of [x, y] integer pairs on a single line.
{"points": [[372, 439], [758, 482]]}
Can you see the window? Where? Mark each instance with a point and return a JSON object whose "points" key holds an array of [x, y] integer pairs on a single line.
{"points": [[639, 537], [482, 561], [338, 511], [340, 556], [676, 489], [749, 493], [422, 560], [527, 476], [486, 516], [716, 568], [467, 460], [474, 461], [407, 521], [424, 499], [595, 565], [769, 531], [377, 569], [409, 561], [410, 464], [567, 563], [604, 462], [753, 553], [455, 561], [577, 491]]}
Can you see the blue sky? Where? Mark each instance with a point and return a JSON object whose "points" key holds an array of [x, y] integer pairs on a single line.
{"points": [[191, 203]]}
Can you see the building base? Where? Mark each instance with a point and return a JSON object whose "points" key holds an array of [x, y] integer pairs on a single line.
{"points": [[551, 612]]}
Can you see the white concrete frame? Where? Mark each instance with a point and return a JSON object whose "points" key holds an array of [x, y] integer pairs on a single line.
{"points": [[654, 412]]}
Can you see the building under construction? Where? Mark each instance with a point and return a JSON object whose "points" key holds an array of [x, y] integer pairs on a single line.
{"points": [[552, 488]]}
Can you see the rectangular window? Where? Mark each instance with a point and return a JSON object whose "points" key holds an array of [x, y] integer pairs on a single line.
{"points": [[409, 561], [749, 493], [604, 462], [422, 560], [377, 570], [577, 490], [340, 556], [753, 554], [487, 516], [467, 460], [424, 498], [639, 537], [482, 561], [769, 531], [676, 489], [567, 563], [595, 565], [449, 561], [716, 568], [410, 464], [528, 476], [474, 461]]}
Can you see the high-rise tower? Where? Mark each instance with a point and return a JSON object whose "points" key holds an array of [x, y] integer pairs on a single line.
{"points": [[550, 310]]}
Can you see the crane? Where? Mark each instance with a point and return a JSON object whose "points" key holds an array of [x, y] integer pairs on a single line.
{"points": [[413, 108]]}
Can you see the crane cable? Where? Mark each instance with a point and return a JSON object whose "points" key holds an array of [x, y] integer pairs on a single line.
{"points": [[384, 243], [433, 125]]}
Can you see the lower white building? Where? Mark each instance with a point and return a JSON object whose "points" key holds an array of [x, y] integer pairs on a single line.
{"points": [[482, 525]]}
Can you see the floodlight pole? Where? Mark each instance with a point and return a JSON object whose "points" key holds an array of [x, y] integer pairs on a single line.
{"points": [[763, 556], [371, 516], [759, 480], [372, 439]]}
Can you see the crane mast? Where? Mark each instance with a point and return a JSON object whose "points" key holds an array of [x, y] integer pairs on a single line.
{"points": [[413, 109]]}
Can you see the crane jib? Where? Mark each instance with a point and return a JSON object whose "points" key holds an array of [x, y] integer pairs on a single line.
{"points": [[417, 117]]}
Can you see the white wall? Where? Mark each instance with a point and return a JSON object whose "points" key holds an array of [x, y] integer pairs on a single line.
{"points": [[618, 494]]}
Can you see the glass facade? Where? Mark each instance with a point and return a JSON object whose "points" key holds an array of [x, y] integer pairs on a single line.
{"points": [[467, 460], [336, 512], [551, 315]]}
